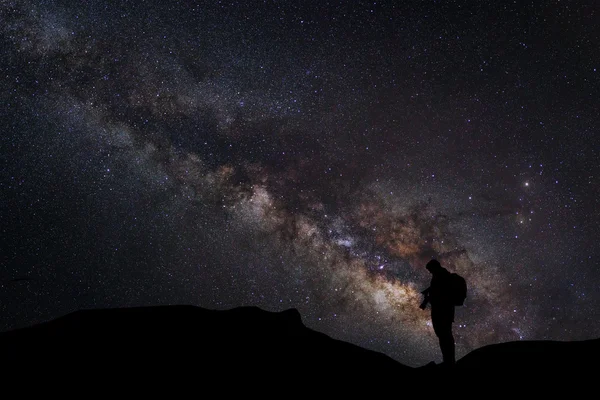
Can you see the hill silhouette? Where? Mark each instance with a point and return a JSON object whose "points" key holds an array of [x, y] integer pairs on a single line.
{"points": [[252, 344], [178, 340], [550, 358]]}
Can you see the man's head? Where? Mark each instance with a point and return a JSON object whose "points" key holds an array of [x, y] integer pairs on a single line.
{"points": [[433, 266]]}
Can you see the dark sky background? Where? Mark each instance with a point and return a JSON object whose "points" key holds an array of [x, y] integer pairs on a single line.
{"points": [[304, 154]]}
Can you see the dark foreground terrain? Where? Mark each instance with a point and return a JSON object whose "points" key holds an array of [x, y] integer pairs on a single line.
{"points": [[225, 348]]}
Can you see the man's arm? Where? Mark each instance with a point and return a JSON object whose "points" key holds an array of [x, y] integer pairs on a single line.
{"points": [[426, 299]]}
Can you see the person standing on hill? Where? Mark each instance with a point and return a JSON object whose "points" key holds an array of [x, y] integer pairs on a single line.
{"points": [[441, 297]]}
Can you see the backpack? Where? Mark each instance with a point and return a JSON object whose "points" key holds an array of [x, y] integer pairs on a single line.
{"points": [[458, 289]]}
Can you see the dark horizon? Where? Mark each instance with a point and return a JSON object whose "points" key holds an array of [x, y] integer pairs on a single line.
{"points": [[311, 156]]}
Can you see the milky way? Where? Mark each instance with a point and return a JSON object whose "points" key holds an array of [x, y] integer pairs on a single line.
{"points": [[312, 156]]}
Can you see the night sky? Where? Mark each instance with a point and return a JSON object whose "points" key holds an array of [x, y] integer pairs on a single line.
{"points": [[309, 155]]}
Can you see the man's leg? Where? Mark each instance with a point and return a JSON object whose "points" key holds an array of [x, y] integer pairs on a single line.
{"points": [[443, 330], [447, 346]]}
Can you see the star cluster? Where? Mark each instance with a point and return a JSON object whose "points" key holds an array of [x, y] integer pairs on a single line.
{"points": [[311, 155]]}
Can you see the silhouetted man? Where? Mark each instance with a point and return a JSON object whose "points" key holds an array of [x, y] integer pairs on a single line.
{"points": [[442, 309]]}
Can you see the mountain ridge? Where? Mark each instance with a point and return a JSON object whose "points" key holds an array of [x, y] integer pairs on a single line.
{"points": [[253, 344]]}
